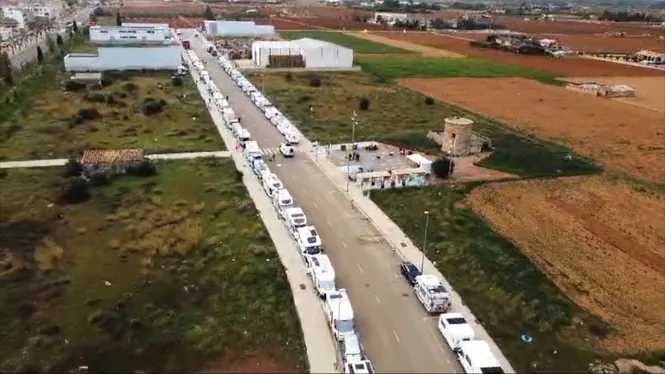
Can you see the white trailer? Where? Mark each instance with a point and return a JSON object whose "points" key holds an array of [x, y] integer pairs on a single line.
{"points": [[432, 294], [455, 329], [477, 357], [340, 314]]}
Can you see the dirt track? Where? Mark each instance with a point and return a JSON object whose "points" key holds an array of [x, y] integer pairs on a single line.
{"points": [[424, 50], [623, 138], [569, 66], [599, 240]]}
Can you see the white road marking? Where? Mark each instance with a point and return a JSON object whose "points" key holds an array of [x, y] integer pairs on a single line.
{"points": [[396, 275], [344, 244], [396, 337], [361, 269], [303, 190], [329, 224], [377, 299], [316, 206]]}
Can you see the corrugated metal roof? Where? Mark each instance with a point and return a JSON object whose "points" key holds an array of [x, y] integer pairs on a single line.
{"points": [[125, 58], [153, 25], [298, 43]]}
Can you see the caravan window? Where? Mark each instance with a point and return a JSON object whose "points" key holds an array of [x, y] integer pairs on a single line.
{"points": [[456, 321], [345, 326], [492, 370]]}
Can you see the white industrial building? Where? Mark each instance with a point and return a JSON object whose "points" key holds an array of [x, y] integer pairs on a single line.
{"points": [[124, 58], [131, 34], [237, 28], [315, 53], [15, 14]]}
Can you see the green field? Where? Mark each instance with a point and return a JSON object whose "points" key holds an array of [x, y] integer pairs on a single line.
{"points": [[169, 273], [43, 121], [358, 45], [508, 294], [402, 117], [436, 67]]}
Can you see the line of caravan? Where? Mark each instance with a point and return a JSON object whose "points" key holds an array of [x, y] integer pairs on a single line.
{"points": [[338, 307]]}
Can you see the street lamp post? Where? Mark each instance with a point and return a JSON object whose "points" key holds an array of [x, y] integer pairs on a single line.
{"points": [[353, 141], [422, 261]]}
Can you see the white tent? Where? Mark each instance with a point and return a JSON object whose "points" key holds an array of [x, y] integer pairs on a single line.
{"points": [[316, 53]]}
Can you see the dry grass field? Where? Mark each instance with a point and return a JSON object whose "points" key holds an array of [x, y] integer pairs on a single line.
{"points": [[424, 50], [622, 138], [599, 240], [650, 91]]}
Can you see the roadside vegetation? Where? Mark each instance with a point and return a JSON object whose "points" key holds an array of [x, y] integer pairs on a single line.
{"points": [[321, 105], [358, 45], [394, 67], [163, 272], [507, 292]]}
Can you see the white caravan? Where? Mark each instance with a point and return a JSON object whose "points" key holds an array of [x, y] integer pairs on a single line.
{"points": [[362, 367], [295, 219], [282, 200], [322, 273], [432, 294], [244, 136], [259, 166], [308, 241], [252, 150], [476, 357], [271, 184], [292, 137], [455, 329], [350, 349], [340, 314], [236, 129]]}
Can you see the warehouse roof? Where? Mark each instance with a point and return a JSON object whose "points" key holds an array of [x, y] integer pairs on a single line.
{"points": [[298, 43]]}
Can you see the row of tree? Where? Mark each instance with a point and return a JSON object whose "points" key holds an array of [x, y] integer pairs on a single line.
{"points": [[629, 17]]}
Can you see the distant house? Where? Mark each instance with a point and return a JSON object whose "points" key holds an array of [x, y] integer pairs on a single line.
{"points": [[111, 161]]}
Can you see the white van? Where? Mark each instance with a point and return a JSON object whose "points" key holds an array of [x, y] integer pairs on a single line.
{"points": [[252, 151], [244, 135], [350, 349], [271, 184], [340, 314], [282, 200], [295, 219], [308, 241], [455, 329], [322, 273], [476, 357]]}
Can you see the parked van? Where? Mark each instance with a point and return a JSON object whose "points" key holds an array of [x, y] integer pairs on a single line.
{"points": [[350, 349], [295, 219], [252, 150], [308, 241], [244, 136], [236, 129], [477, 357], [282, 200], [322, 273], [258, 166], [340, 314], [432, 294], [455, 329], [271, 184], [362, 367]]}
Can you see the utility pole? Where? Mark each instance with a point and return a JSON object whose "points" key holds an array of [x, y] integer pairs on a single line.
{"points": [[422, 261], [353, 141]]}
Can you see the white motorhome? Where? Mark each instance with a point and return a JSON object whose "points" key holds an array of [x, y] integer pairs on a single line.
{"points": [[322, 273], [455, 329], [258, 166], [308, 241], [292, 137], [236, 129], [340, 314], [252, 150], [244, 135], [295, 219], [271, 184], [282, 200], [432, 294], [476, 357], [362, 367], [350, 349]]}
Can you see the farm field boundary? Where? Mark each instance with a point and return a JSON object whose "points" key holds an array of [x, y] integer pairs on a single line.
{"points": [[359, 45], [424, 50]]}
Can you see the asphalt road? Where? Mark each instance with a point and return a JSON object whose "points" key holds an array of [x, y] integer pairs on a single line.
{"points": [[396, 333]]}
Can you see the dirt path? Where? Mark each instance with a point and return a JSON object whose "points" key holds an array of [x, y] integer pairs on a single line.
{"points": [[424, 50]]}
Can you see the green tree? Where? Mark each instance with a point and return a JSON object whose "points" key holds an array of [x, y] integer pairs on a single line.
{"points": [[118, 19], [75, 26], [58, 39], [6, 68], [40, 54], [76, 191], [208, 14], [50, 44]]}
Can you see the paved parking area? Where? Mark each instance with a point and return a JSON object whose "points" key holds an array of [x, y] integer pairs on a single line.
{"points": [[385, 158]]}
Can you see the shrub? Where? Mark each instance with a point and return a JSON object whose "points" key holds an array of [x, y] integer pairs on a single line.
{"points": [[288, 77], [89, 113], [315, 82], [364, 103], [99, 179], [106, 81], [152, 106], [177, 81], [429, 101], [443, 168], [130, 87], [143, 169], [73, 168], [73, 86], [76, 191], [95, 97]]}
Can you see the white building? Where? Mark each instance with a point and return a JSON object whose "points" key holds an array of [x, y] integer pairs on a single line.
{"points": [[16, 14], [128, 34], [125, 58], [315, 53], [237, 28]]}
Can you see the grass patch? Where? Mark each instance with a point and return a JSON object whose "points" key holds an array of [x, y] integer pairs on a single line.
{"points": [[436, 67], [508, 294], [42, 121], [402, 117], [358, 45], [189, 265]]}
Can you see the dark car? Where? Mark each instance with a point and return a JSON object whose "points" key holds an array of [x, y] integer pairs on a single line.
{"points": [[410, 272]]}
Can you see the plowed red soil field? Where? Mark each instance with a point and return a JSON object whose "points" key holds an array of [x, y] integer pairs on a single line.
{"points": [[622, 138], [568, 66], [176, 22], [318, 23], [574, 27]]}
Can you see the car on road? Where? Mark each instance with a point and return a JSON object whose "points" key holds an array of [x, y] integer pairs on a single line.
{"points": [[287, 150], [409, 271]]}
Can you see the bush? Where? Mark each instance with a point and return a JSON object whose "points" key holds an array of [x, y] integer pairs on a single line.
{"points": [[95, 97], [443, 168], [364, 103], [106, 81], [130, 87], [288, 77], [73, 86], [429, 101], [73, 168], [152, 106], [76, 191], [89, 113], [143, 169], [177, 81], [99, 179], [315, 82]]}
